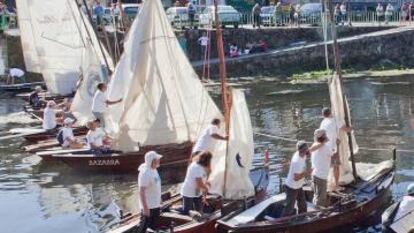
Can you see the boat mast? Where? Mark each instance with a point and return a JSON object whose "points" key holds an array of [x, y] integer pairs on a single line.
{"points": [[225, 93], [96, 34], [338, 69]]}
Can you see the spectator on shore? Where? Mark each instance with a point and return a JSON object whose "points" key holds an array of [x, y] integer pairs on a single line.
{"points": [[343, 13], [411, 10], [256, 15], [203, 42], [337, 14], [404, 12], [380, 13], [388, 13], [191, 14], [278, 14], [116, 13], [234, 51], [98, 11]]}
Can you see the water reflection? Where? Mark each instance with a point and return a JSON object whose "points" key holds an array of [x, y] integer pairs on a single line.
{"points": [[53, 198]]}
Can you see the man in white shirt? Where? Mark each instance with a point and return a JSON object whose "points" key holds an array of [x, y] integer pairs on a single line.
{"points": [[332, 130], [68, 139], [203, 42], [49, 116], [207, 140], [13, 74], [100, 102], [321, 162], [149, 184], [296, 179]]}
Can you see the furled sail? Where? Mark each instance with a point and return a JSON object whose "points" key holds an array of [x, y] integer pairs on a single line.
{"points": [[54, 45], [165, 101], [92, 67], [239, 157], [338, 111]]}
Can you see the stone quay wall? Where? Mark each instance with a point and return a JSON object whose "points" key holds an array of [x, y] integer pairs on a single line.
{"points": [[274, 37], [387, 50]]}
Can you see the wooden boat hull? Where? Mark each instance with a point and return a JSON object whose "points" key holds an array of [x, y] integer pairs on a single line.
{"points": [[34, 138], [174, 155], [20, 87], [321, 224], [186, 224]]}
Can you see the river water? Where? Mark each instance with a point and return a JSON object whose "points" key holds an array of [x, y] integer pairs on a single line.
{"points": [[37, 198]]}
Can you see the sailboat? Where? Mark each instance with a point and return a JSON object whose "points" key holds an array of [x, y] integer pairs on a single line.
{"points": [[63, 47], [165, 106], [366, 186], [233, 185]]}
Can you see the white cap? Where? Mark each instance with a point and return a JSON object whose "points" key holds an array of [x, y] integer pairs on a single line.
{"points": [[151, 156], [68, 121], [410, 189]]}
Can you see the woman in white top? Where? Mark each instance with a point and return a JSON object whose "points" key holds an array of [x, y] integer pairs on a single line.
{"points": [[195, 182], [49, 116], [95, 136], [68, 139]]}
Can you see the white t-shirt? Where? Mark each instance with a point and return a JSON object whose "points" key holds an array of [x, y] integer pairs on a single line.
{"points": [[203, 41], [95, 137], [67, 133], [206, 142], [14, 72], [189, 188], [99, 101], [150, 179], [321, 162], [331, 128], [49, 118], [297, 165]]}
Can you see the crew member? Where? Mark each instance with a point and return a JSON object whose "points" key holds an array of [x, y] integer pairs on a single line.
{"points": [[100, 102], [296, 179], [208, 138], [95, 136], [49, 116], [34, 99], [195, 182], [13, 74], [149, 184], [321, 161], [68, 139]]}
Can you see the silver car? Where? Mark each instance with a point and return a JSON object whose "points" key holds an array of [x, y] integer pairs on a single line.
{"points": [[227, 15], [178, 17]]}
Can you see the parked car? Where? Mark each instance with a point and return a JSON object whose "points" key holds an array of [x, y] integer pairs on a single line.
{"points": [[178, 17], [131, 10], [310, 13], [267, 15], [227, 15]]}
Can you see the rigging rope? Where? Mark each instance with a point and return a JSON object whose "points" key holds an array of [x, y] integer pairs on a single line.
{"points": [[295, 140]]}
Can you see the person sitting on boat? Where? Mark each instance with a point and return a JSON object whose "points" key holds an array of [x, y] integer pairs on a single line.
{"points": [[195, 183], [100, 102], [321, 162], [34, 99], [296, 179], [96, 137], [49, 116], [332, 129], [68, 140], [207, 140], [149, 184], [67, 112], [13, 74]]}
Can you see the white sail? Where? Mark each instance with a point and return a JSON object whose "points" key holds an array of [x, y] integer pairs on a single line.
{"points": [[338, 111], [165, 101], [54, 45], [240, 154], [93, 64]]}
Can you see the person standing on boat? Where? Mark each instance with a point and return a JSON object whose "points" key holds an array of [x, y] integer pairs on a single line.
{"points": [[49, 116], [195, 183], [100, 102], [68, 140], [149, 184], [332, 129], [13, 74], [207, 140], [321, 162], [296, 179]]}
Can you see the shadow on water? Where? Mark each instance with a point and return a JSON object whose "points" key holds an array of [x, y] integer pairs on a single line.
{"points": [[55, 198]]}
